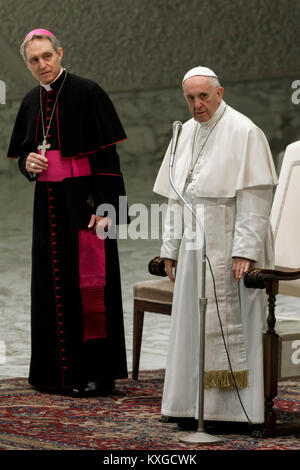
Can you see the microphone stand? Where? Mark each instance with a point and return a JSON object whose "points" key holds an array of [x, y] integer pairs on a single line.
{"points": [[200, 436]]}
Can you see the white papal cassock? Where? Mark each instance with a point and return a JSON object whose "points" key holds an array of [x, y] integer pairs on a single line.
{"points": [[231, 188]]}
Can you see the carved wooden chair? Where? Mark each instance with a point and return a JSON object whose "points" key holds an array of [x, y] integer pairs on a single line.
{"points": [[156, 296], [153, 296], [274, 365]]}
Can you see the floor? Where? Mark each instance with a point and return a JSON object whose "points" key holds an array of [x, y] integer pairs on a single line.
{"points": [[15, 246]]}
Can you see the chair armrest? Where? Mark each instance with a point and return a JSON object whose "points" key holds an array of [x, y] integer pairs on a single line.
{"points": [[258, 278], [157, 266], [268, 279]]}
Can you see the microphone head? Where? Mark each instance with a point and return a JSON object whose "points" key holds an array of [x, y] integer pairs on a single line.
{"points": [[177, 124]]}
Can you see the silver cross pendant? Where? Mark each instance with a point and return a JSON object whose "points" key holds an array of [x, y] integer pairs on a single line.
{"points": [[43, 147]]}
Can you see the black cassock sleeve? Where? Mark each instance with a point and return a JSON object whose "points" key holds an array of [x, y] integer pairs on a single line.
{"points": [[22, 167], [22, 140]]}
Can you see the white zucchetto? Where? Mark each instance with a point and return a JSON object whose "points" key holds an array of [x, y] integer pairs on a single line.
{"points": [[204, 71]]}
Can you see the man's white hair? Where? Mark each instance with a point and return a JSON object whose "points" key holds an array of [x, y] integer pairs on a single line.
{"points": [[215, 81]]}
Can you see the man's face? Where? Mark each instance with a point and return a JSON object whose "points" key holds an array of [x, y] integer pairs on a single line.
{"points": [[42, 60], [202, 97]]}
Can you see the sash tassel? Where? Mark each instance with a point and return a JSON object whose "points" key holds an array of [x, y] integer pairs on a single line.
{"points": [[223, 380], [93, 308]]}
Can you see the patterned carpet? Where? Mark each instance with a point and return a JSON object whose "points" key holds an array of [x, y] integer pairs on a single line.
{"points": [[127, 420]]}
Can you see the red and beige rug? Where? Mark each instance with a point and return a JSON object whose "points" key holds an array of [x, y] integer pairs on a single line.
{"points": [[126, 420]]}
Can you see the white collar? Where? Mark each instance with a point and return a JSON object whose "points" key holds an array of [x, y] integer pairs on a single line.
{"points": [[215, 116], [47, 86]]}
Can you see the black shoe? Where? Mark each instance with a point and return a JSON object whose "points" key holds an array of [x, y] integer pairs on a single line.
{"points": [[168, 419], [54, 391], [94, 389], [188, 424], [227, 427]]}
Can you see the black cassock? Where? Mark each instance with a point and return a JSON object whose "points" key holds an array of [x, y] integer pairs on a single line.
{"points": [[84, 124]]}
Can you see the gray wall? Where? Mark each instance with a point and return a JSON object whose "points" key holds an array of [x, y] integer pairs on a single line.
{"points": [[138, 50]]}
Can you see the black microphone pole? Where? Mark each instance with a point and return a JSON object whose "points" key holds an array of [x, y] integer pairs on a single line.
{"points": [[200, 436]]}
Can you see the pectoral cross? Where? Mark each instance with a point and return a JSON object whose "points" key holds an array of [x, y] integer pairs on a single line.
{"points": [[188, 180], [43, 147]]}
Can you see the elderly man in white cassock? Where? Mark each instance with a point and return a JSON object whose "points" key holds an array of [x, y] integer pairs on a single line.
{"points": [[224, 168]]}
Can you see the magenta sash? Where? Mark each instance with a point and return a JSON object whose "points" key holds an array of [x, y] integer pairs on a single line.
{"points": [[59, 168], [92, 284], [91, 250]]}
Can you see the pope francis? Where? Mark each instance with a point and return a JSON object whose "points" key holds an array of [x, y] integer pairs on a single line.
{"points": [[223, 165]]}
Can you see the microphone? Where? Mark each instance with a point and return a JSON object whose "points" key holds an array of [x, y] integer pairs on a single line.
{"points": [[177, 126]]}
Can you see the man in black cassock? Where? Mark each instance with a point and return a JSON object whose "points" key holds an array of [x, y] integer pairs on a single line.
{"points": [[65, 138]]}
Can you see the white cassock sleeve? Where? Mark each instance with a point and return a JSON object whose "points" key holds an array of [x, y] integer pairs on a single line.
{"points": [[253, 208], [173, 230]]}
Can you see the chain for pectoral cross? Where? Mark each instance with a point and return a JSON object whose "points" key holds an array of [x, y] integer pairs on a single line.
{"points": [[192, 166], [45, 145]]}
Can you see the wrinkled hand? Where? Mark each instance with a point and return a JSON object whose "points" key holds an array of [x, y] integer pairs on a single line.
{"points": [[100, 224], [240, 267], [169, 265], [35, 163]]}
